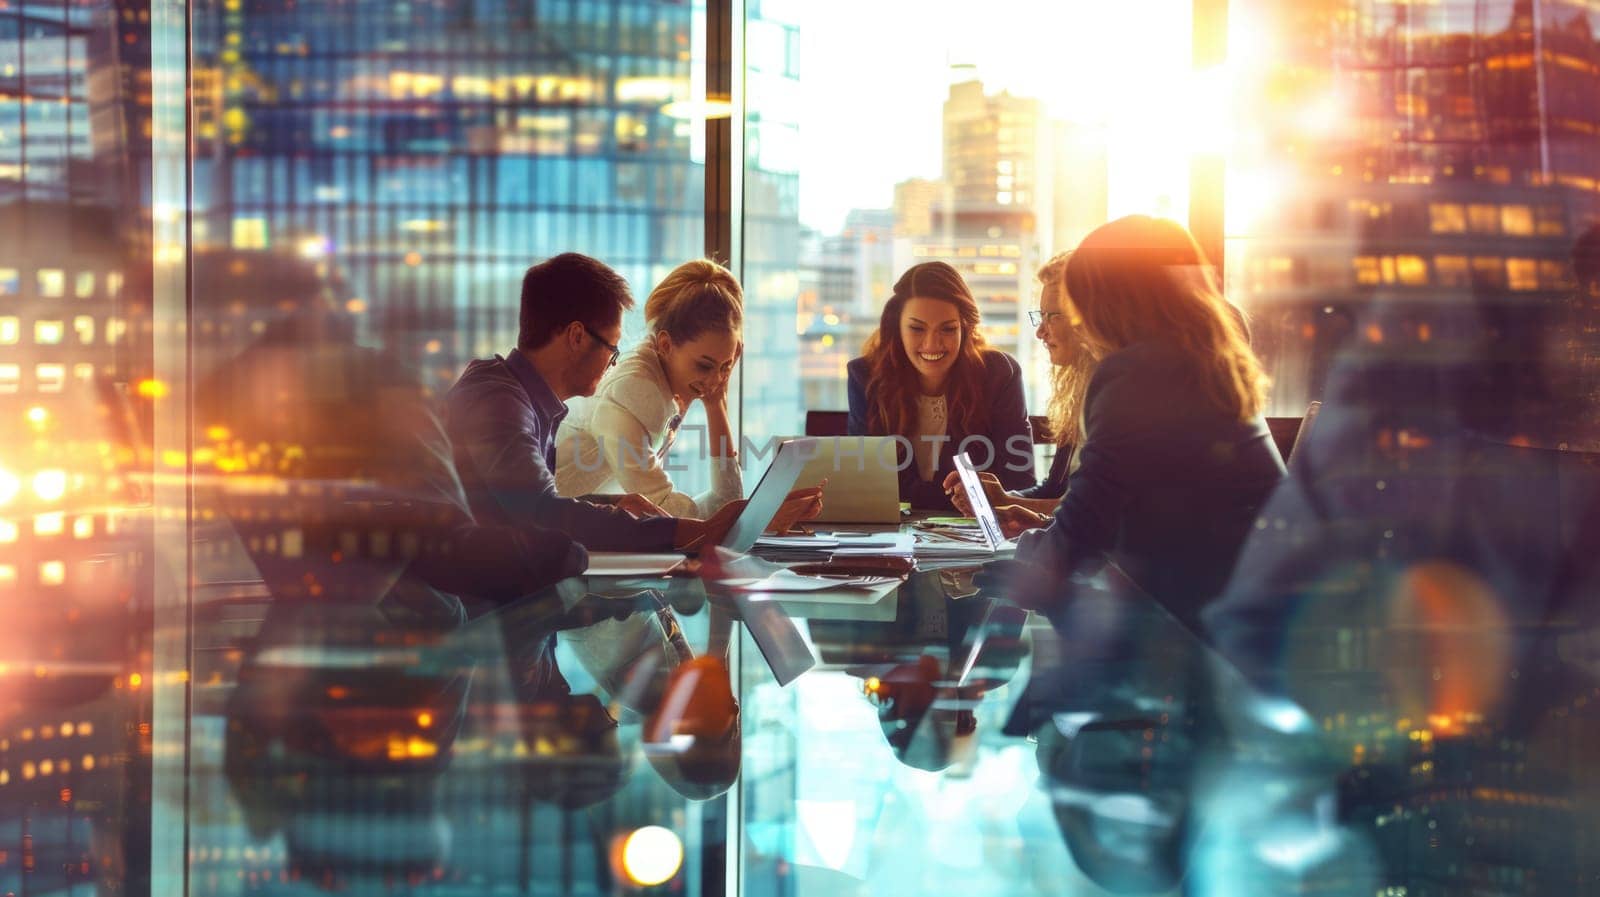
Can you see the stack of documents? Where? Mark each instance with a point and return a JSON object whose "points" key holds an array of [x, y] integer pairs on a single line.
{"points": [[794, 549], [874, 545], [834, 546], [949, 544], [790, 581]]}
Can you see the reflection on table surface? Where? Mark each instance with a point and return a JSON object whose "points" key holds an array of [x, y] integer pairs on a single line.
{"points": [[610, 736], [341, 747]]}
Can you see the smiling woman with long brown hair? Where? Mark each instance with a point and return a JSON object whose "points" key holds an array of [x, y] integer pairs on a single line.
{"points": [[928, 378]]}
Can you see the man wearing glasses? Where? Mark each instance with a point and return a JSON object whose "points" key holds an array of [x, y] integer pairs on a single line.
{"points": [[503, 413]]}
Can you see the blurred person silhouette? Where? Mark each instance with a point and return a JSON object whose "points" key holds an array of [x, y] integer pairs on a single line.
{"points": [[343, 758], [928, 377], [339, 481], [1428, 566], [326, 458], [1586, 263], [343, 720], [504, 412], [1176, 458]]}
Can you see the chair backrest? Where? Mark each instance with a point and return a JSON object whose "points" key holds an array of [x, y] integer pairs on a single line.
{"points": [[1286, 431], [1305, 429], [827, 423], [837, 423]]}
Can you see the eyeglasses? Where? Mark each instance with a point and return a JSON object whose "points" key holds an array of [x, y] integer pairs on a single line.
{"points": [[1037, 317], [616, 351]]}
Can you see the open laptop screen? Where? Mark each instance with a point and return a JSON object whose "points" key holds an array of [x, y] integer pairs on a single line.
{"points": [[988, 525], [769, 494]]}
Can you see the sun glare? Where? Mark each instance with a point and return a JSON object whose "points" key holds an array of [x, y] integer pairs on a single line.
{"points": [[1128, 75]]}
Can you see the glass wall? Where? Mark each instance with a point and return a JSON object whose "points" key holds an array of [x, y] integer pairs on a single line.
{"points": [[247, 247], [76, 566], [370, 182]]}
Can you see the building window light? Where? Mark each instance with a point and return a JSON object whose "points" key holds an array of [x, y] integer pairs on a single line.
{"points": [[1517, 220], [1484, 219], [52, 282], [250, 233], [52, 573], [1453, 270], [47, 333], [83, 285], [1412, 270], [1522, 275], [1448, 218], [83, 326], [50, 377], [50, 485]]}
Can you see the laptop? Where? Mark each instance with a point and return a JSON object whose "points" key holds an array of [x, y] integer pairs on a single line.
{"points": [[982, 511], [863, 479], [765, 500]]}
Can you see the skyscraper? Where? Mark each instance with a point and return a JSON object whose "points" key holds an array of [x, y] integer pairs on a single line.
{"points": [[1451, 151], [995, 211], [434, 151]]}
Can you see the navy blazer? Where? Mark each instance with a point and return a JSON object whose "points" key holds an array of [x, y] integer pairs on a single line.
{"points": [[502, 420], [1007, 430], [1167, 486]]}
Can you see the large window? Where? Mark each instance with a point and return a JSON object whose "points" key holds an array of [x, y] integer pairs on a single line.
{"points": [[248, 246]]}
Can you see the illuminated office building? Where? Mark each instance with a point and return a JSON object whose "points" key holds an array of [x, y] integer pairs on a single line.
{"points": [[991, 215], [851, 273], [993, 209], [75, 390], [1422, 156], [434, 151], [914, 201], [1446, 151]]}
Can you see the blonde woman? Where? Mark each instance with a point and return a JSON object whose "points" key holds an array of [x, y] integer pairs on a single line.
{"points": [[1176, 458], [1071, 366], [619, 439]]}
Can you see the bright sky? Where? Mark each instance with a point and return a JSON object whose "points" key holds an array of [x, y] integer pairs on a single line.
{"points": [[875, 73]]}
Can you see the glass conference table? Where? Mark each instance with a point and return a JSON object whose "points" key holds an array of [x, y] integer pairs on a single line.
{"points": [[670, 735], [675, 736]]}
